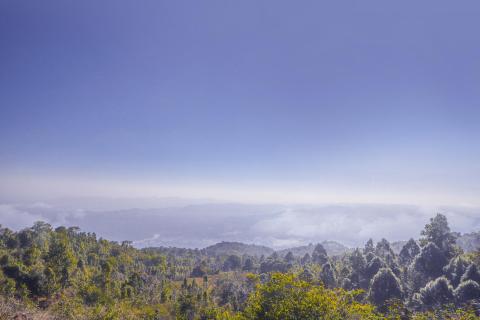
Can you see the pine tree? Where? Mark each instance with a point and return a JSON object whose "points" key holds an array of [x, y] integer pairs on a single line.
{"points": [[438, 232], [471, 274], [327, 275], [384, 287], [319, 254], [436, 293], [369, 247], [408, 252], [466, 291]]}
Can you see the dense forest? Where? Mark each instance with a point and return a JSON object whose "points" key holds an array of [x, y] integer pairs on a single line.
{"points": [[65, 273]]}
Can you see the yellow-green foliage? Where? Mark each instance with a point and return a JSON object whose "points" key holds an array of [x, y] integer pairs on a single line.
{"points": [[286, 297]]}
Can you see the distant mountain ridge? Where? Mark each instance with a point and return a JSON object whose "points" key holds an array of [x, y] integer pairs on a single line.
{"points": [[468, 242], [238, 248], [333, 248]]}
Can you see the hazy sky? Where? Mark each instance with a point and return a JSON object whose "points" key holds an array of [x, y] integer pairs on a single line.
{"points": [[310, 101]]}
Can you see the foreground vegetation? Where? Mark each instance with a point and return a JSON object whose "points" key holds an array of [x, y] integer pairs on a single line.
{"points": [[69, 274]]}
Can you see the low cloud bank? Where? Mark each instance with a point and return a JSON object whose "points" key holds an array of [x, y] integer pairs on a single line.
{"points": [[200, 225], [354, 224]]}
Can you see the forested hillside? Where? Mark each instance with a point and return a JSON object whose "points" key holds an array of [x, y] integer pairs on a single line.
{"points": [[66, 273], [236, 248]]}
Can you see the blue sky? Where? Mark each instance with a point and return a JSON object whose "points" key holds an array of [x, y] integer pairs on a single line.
{"points": [[314, 100]]}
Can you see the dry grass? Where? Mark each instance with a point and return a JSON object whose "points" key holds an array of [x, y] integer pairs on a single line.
{"points": [[12, 309]]}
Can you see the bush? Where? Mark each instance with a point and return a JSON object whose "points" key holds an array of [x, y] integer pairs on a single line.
{"points": [[285, 297]]}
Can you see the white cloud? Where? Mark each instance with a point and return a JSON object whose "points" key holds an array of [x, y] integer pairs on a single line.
{"points": [[277, 226], [354, 224], [14, 218]]}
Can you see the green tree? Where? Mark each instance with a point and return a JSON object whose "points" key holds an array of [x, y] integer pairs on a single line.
{"points": [[436, 293], [408, 252], [385, 286], [369, 247], [373, 267], [60, 259], [438, 232], [471, 274], [384, 250], [233, 262], [467, 291], [455, 270], [319, 254], [289, 258], [248, 265], [327, 275], [426, 266]]}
